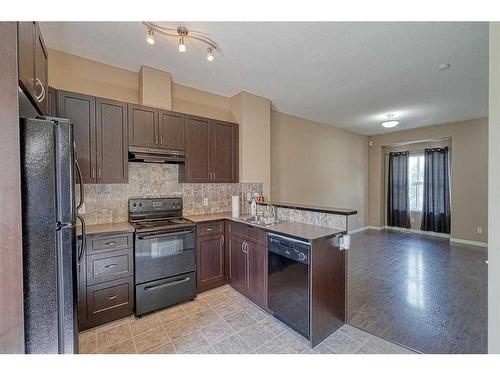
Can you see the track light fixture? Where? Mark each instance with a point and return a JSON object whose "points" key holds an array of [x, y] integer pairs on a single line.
{"points": [[150, 38], [210, 54], [183, 34]]}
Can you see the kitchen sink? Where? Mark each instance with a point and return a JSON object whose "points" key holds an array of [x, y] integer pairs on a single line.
{"points": [[267, 221]]}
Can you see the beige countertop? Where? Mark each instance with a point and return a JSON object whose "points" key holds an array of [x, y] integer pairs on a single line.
{"points": [[209, 217], [307, 232], [106, 228]]}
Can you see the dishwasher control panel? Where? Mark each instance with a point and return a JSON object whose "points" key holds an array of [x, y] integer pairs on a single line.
{"points": [[289, 248]]}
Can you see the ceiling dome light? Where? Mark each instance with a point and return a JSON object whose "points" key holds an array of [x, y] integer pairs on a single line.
{"points": [[390, 122], [210, 54], [182, 46], [150, 38]]}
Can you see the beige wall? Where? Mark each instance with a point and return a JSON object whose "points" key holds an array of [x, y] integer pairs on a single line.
{"points": [[318, 164], [253, 113], [469, 174], [75, 73], [155, 87], [494, 193], [415, 217]]}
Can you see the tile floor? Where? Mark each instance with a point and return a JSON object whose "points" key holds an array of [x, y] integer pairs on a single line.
{"points": [[224, 322]]}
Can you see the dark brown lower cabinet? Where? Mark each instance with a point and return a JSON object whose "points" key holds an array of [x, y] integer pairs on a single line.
{"points": [[210, 261], [237, 263], [109, 301], [106, 280], [246, 259], [257, 274]]}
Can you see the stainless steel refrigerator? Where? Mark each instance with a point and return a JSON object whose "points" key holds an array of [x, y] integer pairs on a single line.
{"points": [[49, 239]]}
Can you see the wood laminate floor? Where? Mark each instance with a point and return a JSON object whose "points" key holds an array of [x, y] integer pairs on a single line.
{"points": [[221, 321], [418, 291]]}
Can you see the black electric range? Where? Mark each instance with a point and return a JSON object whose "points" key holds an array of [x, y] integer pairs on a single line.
{"points": [[165, 257]]}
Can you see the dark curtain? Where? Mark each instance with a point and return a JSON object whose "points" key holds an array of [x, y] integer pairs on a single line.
{"points": [[398, 214], [436, 205]]}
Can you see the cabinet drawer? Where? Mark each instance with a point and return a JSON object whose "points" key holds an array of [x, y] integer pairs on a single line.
{"points": [[109, 242], [109, 301], [209, 229], [109, 266]]}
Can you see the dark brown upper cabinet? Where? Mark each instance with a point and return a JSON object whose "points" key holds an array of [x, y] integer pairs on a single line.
{"points": [[112, 141], [143, 126], [211, 148], [196, 168], [80, 109], [171, 130], [101, 136], [223, 153], [32, 64]]}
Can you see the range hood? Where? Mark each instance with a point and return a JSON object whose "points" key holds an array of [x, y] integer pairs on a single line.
{"points": [[155, 155]]}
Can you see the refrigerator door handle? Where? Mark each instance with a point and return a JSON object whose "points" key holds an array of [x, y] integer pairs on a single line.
{"points": [[84, 238], [79, 171]]}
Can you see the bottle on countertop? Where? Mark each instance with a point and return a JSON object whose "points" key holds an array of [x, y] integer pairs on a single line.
{"points": [[253, 205]]}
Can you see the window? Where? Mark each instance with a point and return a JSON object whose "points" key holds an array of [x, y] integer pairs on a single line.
{"points": [[416, 182]]}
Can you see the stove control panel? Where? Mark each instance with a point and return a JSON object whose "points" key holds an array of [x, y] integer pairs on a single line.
{"points": [[153, 205]]}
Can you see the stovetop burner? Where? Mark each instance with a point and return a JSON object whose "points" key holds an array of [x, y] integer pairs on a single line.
{"points": [[154, 214], [160, 223]]}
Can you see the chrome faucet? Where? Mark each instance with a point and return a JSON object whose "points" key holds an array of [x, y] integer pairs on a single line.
{"points": [[275, 213]]}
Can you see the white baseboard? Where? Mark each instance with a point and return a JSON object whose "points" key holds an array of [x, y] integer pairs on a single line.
{"points": [[418, 231], [352, 231], [467, 242], [374, 227]]}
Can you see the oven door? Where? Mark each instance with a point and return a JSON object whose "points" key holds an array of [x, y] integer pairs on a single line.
{"points": [[163, 254]]}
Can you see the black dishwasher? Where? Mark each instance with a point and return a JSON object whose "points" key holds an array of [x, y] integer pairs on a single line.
{"points": [[288, 281]]}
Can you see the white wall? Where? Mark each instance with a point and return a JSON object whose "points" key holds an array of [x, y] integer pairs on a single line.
{"points": [[494, 193]]}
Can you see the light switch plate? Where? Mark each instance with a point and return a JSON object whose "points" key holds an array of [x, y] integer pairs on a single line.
{"points": [[479, 230]]}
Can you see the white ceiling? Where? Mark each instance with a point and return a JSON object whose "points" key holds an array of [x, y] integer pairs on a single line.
{"points": [[345, 74]]}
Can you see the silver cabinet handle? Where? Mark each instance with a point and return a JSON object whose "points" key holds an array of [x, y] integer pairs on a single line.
{"points": [[161, 139], [39, 98], [209, 229], [112, 297], [112, 243], [110, 265], [99, 173], [93, 173]]}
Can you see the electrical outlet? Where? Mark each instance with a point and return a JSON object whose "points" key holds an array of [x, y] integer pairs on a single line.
{"points": [[249, 197], [479, 230], [205, 201], [359, 219], [81, 210]]}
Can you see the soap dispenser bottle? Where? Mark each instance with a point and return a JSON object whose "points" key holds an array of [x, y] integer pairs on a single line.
{"points": [[253, 205]]}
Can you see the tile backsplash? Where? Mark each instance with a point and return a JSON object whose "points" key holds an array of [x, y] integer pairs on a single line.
{"points": [[107, 203], [314, 218]]}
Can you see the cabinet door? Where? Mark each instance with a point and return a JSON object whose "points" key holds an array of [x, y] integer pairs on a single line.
{"points": [[257, 274], [41, 72], [210, 262], [112, 141], [143, 126], [237, 261], [80, 109], [223, 151], [26, 56], [196, 143], [171, 130]]}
